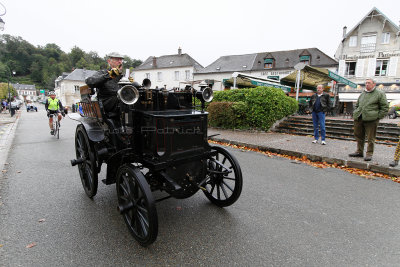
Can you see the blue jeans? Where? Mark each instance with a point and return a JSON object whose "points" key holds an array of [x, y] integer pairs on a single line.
{"points": [[318, 119]]}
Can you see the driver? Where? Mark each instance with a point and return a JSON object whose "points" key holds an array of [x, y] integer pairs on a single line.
{"points": [[106, 82], [53, 106]]}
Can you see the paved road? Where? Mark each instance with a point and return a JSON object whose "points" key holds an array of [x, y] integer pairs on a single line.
{"points": [[288, 214]]}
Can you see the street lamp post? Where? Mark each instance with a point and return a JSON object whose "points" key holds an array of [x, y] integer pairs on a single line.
{"points": [[9, 89], [2, 14]]}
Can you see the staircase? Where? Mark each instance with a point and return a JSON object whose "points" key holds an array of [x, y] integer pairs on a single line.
{"points": [[337, 128]]}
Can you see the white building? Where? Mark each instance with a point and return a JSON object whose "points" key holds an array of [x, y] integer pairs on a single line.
{"points": [[26, 92], [167, 71], [272, 65], [371, 49], [67, 86]]}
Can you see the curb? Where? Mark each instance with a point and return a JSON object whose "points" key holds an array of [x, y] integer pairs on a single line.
{"points": [[8, 140], [317, 158]]}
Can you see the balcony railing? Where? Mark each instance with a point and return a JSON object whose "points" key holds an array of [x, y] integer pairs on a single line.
{"points": [[368, 48]]}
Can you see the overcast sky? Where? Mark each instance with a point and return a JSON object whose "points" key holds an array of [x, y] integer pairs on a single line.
{"points": [[205, 29]]}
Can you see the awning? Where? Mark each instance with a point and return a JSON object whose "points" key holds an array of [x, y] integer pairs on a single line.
{"points": [[243, 82], [312, 76]]}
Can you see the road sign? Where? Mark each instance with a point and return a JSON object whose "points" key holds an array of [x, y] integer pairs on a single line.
{"points": [[42, 91]]}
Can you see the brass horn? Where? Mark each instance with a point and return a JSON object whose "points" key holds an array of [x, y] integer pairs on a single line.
{"points": [[128, 94]]}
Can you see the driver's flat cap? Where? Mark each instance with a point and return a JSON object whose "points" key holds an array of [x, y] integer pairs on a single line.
{"points": [[115, 54]]}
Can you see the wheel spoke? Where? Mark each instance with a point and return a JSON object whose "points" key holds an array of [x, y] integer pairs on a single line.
{"points": [[124, 189], [223, 182], [212, 188], [218, 193], [143, 222], [224, 191], [223, 161]]}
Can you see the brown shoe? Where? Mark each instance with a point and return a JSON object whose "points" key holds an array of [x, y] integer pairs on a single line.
{"points": [[356, 154], [368, 158]]}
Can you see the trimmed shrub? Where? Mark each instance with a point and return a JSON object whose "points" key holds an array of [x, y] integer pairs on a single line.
{"points": [[250, 108]]}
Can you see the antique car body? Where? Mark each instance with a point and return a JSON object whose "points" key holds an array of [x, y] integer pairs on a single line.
{"points": [[158, 141]]}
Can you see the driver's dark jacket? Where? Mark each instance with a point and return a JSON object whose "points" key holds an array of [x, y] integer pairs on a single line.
{"points": [[106, 86], [107, 89]]}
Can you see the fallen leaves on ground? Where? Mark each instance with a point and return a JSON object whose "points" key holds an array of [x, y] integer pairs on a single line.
{"points": [[18, 171], [1, 245], [31, 245], [3, 171], [41, 220], [363, 173]]}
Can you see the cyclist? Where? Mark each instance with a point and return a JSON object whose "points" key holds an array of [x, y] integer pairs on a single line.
{"points": [[53, 106]]}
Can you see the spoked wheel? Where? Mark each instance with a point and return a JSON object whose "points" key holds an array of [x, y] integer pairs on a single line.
{"points": [[136, 204], [57, 131], [225, 181], [87, 169]]}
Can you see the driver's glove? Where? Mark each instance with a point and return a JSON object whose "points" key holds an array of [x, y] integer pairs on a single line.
{"points": [[114, 72]]}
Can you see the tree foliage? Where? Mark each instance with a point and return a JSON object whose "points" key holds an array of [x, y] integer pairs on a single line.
{"points": [[41, 65]]}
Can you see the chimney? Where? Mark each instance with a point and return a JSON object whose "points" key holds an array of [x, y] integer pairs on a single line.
{"points": [[344, 31], [179, 51], [154, 62]]}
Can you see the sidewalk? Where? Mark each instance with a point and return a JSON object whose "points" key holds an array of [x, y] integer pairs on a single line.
{"points": [[8, 126], [336, 151]]}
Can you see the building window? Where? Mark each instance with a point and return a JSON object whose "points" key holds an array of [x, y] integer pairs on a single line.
{"points": [[268, 63], [176, 75], [287, 62], [159, 76], [353, 41], [148, 76], [385, 37], [350, 69], [381, 67], [76, 88], [368, 43], [305, 60], [187, 75]]}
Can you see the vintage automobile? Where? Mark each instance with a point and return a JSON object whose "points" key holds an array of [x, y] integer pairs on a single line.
{"points": [[31, 107], [158, 141]]}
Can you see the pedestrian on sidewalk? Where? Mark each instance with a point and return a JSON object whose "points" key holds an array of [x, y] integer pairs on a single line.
{"points": [[13, 107], [371, 106], [319, 104]]}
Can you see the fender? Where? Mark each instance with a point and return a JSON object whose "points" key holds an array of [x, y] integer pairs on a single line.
{"points": [[92, 126]]}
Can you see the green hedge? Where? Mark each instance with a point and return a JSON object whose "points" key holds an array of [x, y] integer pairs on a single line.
{"points": [[256, 108]]}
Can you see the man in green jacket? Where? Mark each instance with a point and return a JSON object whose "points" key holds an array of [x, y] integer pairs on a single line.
{"points": [[371, 106]]}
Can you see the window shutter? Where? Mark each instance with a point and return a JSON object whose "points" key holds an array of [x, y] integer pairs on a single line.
{"points": [[371, 67], [393, 66], [360, 68], [342, 67]]}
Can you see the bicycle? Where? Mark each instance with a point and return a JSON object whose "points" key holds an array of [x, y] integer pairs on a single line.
{"points": [[56, 125]]}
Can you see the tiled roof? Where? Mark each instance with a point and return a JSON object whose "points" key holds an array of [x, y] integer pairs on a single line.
{"points": [[230, 64], [289, 58], [169, 61], [283, 60], [18, 86], [79, 75]]}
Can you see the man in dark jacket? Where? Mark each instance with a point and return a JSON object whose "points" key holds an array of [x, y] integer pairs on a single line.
{"points": [[371, 106], [106, 82], [319, 104]]}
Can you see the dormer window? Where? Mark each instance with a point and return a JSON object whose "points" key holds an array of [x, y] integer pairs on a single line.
{"points": [[305, 60], [286, 62], [268, 63]]}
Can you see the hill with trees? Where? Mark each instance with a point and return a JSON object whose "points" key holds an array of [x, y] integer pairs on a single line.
{"points": [[41, 65]]}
